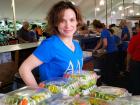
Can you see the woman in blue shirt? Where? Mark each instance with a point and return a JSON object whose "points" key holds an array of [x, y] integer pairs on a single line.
{"points": [[58, 54], [107, 42]]}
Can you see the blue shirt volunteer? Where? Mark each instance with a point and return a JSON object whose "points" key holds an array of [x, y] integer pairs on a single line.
{"points": [[111, 45], [57, 58]]}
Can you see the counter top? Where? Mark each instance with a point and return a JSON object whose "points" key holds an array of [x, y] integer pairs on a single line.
{"points": [[9, 48], [18, 46]]}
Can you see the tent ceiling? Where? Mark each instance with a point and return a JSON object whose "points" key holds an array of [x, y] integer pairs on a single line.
{"points": [[37, 9]]}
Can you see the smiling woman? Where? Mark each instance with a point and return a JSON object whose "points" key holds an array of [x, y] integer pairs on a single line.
{"points": [[58, 54]]}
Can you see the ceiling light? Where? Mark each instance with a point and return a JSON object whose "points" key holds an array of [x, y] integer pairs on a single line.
{"points": [[120, 8], [122, 14], [127, 7], [131, 11], [136, 1], [102, 2], [113, 12], [137, 13], [97, 9]]}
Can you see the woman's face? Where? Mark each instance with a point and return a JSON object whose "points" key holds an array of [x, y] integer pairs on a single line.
{"points": [[68, 24]]}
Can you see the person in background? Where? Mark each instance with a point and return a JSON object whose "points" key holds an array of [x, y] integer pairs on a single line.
{"points": [[115, 37], [133, 63], [88, 23], [23, 33], [39, 31], [125, 34], [117, 30], [58, 54], [83, 30], [33, 34], [134, 31], [109, 72], [46, 33], [125, 38]]}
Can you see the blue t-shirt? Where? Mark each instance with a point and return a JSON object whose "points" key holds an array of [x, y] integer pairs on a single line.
{"points": [[125, 31], [111, 45], [117, 39], [57, 58]]}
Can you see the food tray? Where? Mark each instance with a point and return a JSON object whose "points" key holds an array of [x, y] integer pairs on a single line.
{"points": [[121, 92], [28, 95], [109, 93], [61, 85]]}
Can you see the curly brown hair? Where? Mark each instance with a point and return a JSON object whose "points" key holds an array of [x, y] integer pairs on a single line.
{"points": [[56, 13]]}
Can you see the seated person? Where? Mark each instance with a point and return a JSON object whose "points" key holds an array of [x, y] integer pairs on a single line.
{"points": [[33, 33], [23, 33]]}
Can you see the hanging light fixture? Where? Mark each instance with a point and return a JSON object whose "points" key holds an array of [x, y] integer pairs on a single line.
{"points": [[122, 14], [131, 11], [97, 9], [138, 13], [120, 8], [134, 16], [113, 12], [102, 2], [136, 1]]}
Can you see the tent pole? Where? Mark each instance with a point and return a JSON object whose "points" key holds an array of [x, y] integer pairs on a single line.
{"points": [[124, 9], [95, 10], [106, 14], [111, 12], [14, 17]]}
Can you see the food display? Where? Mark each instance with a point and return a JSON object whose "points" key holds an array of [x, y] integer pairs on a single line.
{"points": [[76, 84], [109, 93], [62, 85], [87, 81], [26, 96], [75, 89]]}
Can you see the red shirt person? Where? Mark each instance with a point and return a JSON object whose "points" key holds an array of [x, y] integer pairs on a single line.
{"points": [[133, 64], [134, 47]]}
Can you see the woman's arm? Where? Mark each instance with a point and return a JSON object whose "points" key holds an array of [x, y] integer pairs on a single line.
{"points": [[98, 45], [26, 68], [104, 43]]}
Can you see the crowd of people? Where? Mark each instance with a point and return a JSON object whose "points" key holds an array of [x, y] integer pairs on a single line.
{"points": [[30, 33], [60, 54]]}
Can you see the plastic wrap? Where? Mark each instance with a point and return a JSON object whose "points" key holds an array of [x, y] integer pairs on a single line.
{"points": [[62, 85], [25, 96], [109, 92], [76, 84]]}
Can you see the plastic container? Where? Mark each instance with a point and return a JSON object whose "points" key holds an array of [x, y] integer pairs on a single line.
{"points": [[61, 85], [109, 93], [120, 92], [26, 96], [76, 84]]}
